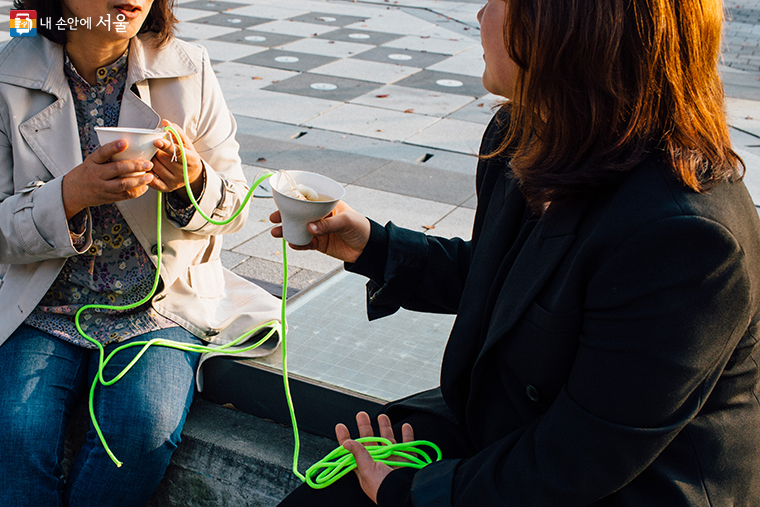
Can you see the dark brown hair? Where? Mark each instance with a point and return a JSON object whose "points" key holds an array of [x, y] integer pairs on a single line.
{"points": [[160, 19], [602, 84]]}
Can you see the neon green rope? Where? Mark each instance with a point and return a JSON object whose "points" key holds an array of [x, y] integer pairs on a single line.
{"points": [[336, 464]]}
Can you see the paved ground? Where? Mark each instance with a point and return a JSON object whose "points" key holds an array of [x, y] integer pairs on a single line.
{"points": [[385, 97]]}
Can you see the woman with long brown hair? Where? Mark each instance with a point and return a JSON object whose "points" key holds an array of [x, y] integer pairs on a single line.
{"points": [[605, 350]]}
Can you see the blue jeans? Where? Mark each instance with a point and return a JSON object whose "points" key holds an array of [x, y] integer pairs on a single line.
{"points": [[141, 416]]}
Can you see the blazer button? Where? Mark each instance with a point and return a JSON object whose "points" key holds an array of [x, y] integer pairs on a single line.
{"points": [[212, 332], [531, 392], [154, 249]]}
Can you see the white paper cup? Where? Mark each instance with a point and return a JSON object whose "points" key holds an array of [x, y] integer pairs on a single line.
{"points": [[139, 141], [296, 213]]}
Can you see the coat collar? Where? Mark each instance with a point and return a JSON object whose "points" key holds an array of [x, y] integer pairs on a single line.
{"points": [[43, 63], [53, 131], [538, 259]]}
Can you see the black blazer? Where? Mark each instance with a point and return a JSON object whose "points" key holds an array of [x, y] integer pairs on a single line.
{"points": [[604, 354]]}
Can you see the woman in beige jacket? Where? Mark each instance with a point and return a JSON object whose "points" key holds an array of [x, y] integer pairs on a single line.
{"points": [[76, 228]]}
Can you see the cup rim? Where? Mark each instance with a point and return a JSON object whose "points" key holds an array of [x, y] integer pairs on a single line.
{"points": [[131, 130]]}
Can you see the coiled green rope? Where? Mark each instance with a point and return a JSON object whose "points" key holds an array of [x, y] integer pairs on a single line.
{"points": [[323, 473]]}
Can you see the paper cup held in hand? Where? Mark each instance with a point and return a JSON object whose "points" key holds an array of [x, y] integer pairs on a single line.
{"points": [[297, 213], [139, 141]]}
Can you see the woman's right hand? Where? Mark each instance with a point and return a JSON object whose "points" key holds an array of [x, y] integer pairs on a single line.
{"points": [[342, 234], [98, 181]]}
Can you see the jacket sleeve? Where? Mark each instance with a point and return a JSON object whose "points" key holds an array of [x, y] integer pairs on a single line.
{"points": [[33, 224], [225, 186], [412, 270], [662, 315]]}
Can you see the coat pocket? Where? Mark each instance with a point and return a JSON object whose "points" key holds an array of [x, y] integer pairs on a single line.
{"points": [[207, 279]]}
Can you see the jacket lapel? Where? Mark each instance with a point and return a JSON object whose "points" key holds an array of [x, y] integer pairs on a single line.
{"points": [[538, 259], [53, 131]]}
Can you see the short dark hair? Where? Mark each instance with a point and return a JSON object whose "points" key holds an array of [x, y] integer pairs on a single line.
{"points": [[160, 20]]}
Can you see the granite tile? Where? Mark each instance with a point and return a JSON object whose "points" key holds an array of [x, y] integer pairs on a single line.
{"points": [[271, 10], [469, 63], [183, 14], [322, 87], [397, 56], [393, 21], [238, 79], [223, 51], [340, 166], [400, 98], [371, 122], [359, 36], [257, 38], [286, 60], [191, 31], [445, 82], [432, 44], [232, 20], [421, 182], [454, 135], [404, 211], [327, 18], [258, 150], [366, 70], [211, 5], [335, 49], [294, 28], [478, 111]]}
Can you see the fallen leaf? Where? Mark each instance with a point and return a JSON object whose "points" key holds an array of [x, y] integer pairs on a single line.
{"points": [[379, 130], [261, 159], [428, 227], [381, 96], [257, 77], [408, 110], [481, 104], [424, 37]]}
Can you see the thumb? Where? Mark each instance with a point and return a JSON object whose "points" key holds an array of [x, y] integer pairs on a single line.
{"points": [[339, 223]]}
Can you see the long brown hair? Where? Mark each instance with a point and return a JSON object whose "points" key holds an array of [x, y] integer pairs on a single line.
{"points": [[160, 20], [602, 84]]}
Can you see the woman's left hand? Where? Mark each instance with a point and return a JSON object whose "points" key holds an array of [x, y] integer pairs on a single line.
{"points": [[168, 173], [371, 473]]}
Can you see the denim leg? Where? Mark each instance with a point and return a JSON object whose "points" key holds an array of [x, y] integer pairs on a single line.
{"points": [[40, 376], [141, 417]]}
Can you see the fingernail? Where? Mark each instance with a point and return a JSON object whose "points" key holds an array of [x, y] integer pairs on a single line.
{"points": [[122, 144], [313, 228], [147, 165]]}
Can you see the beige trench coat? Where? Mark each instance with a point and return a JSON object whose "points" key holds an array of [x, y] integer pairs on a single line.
{"points": [[39, 144]]}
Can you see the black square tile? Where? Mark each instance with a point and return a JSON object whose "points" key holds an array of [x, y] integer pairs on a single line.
{"points": [[231, 20], [445, 82], [360, 36], [321, 18], [211, 5], [323, 87], [256, 38], [286, 60], [405, 57]]}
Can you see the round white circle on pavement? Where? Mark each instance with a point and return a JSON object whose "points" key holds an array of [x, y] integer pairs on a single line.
{"points": [[327, 19], [286, 59], [399, 57], [234, 20], [358, 35], [324, 86], [449, 83], [255, 38]]}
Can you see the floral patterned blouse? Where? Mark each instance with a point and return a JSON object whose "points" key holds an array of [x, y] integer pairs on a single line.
{"points": [[116, 270]]}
